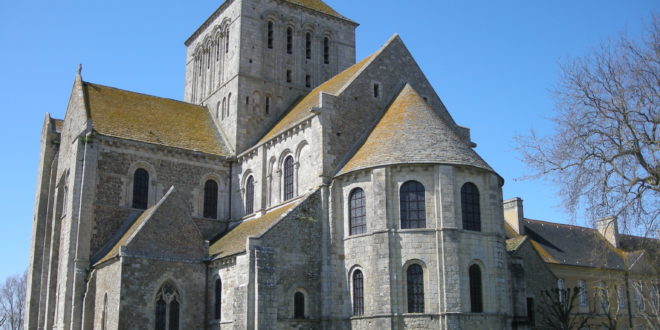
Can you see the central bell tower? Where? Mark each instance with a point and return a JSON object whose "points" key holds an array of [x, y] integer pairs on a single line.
{"points": [[251, 60]]}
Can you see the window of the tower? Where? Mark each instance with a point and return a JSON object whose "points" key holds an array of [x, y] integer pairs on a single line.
{"points": [[228, 104], [289, 40], [211, 199], [227, 41], [376, 90], [308, 81], [470, 207], [358, 293], [217, 110], [167, 308], [357, 212], [217, 310], [299, 305], [140, 189], [270, 35], [224, 107], [415, 288], [288, 178], [476, 297], [288, 76], [412, 205], [267, 104], [326, 50], [308, 45], [249, 195]]}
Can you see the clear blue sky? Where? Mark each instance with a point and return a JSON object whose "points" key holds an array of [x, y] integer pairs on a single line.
{"points": [[492, 63]]}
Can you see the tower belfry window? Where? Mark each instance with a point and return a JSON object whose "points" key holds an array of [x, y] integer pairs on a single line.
{"points": [[270, 35], [227, 41], [308, 45], [267, 104], [308, 81], [288, 76], [289, 40], [326, 50]]}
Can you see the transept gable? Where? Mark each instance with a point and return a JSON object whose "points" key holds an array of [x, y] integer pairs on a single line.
{"points": [[164, 230]]}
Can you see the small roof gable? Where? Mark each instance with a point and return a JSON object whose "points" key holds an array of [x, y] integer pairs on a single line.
{"points": [[411, 132], [134, 116], [125, 232], [573, 245], [317, 5], [301, 110], [235, 240]]}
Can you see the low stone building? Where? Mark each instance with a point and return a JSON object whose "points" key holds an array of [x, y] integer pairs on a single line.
{"points": [[294, 188]]}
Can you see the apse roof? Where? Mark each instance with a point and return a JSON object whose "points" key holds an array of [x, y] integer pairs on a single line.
{"points": [[411, 132], [134, 116]]}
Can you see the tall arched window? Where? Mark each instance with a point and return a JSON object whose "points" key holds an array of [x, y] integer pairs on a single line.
{"points": [[358, 293], [470, 207], [308, 45], [289, 40], [211, 199], [476, 297], [288, 178], [217, 310], [104, 314], [167, 308], [326, 50], [140, 189], [217, 110], [299, 305], [270, 35], [224, 107], [249, 195], [227, 41], [415, 283], [357, 212], [413, 208]]}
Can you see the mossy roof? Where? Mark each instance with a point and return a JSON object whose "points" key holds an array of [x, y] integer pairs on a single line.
{"points": [[410, 131], [134, 116], [301, 110], [234, 241], [317, 5]]}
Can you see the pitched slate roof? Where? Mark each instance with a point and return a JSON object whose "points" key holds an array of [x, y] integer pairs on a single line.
{"points": [[411, 132], [134, 116], [317, 5], [573, 245], [301, 110], [234, 241]]}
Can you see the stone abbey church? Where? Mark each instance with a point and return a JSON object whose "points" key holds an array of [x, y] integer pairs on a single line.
{"points": [[294, 188]]}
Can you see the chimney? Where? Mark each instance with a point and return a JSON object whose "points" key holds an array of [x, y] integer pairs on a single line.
{"points": [[513, 214], [608, 228]]}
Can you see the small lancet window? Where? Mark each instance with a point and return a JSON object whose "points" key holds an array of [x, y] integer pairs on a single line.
{"points": [[357, 216], [412, 205], [289, 40], [288, 76], [227, 41], [249, 195], [267, 104], [211, 199], [326, 50], [167, 308], [140, 189], [228, 104], [299, 305], [358, 293], [308, 45], [470, 207], [270, 35], [476, 297], [415, 286], [376, 90], [288, 178], [308, 81]]}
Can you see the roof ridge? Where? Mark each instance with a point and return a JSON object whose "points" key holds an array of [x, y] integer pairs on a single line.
{"points": [[144, 94], [559, 224]]}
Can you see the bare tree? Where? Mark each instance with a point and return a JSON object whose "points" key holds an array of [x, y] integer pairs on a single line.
{"points": [[647, 301], [557, 310], [608, 300], [12, 302], [604, 150]]}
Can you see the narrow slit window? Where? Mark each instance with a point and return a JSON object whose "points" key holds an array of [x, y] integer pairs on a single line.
{"points": [[376, 90], [299, 305], [308, 81], [289, 40], [476, 297], [227, 41], [358, 293], [249, 195], [326, 50], [288, 178], [267, 104], [288, 76], [218, 299], [308, 45], [211, 199], [270, 35]]}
